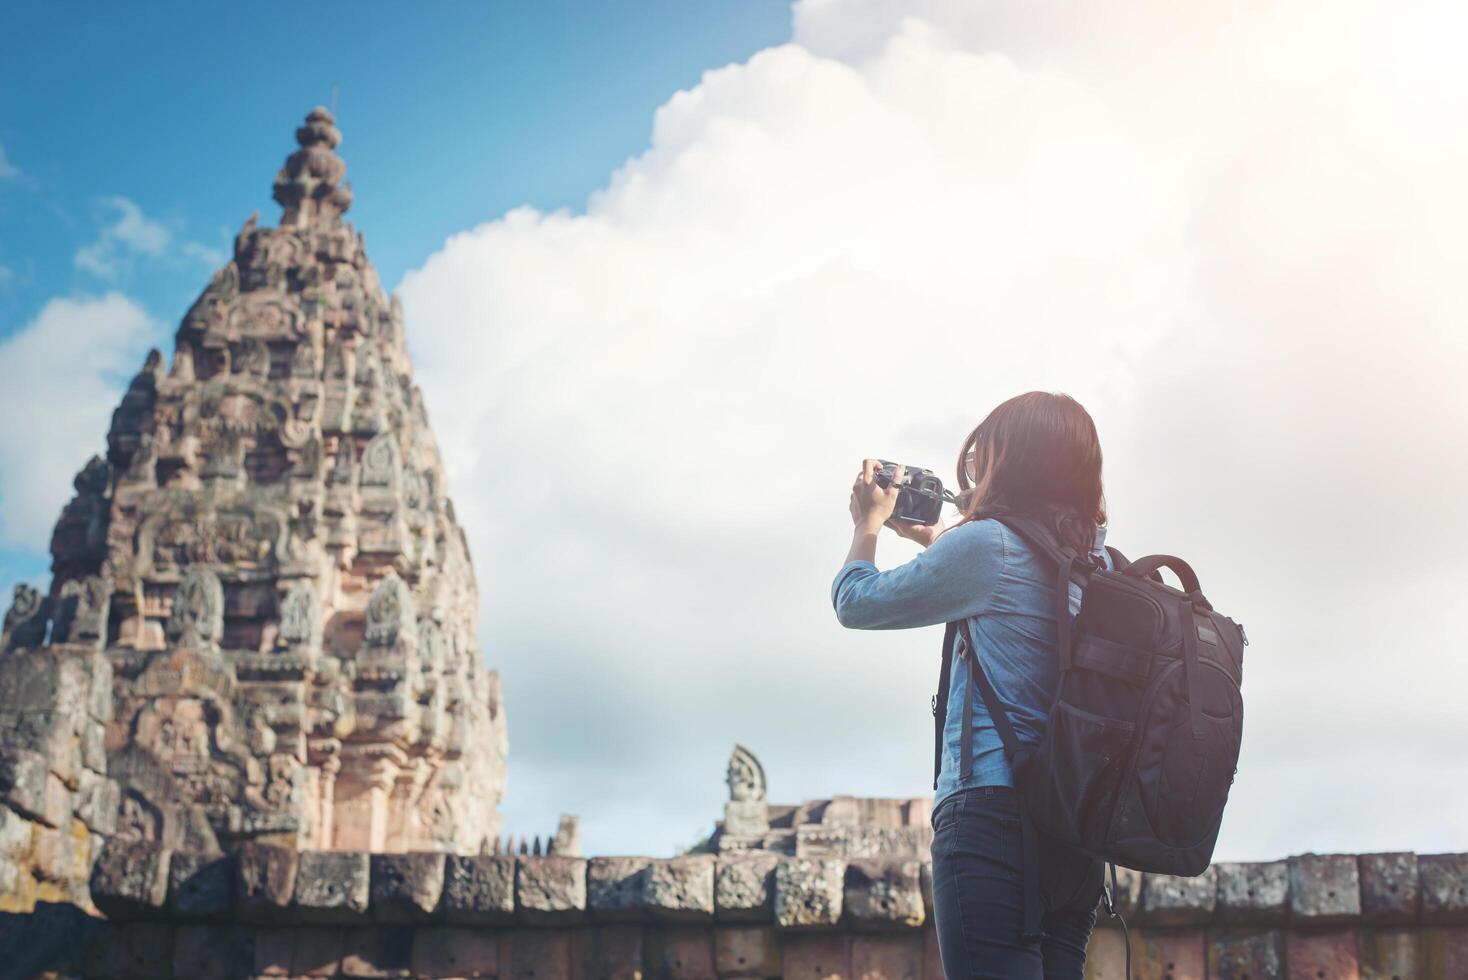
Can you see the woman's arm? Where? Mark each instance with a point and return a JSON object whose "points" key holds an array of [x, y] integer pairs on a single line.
{"points": [[952, 579]]}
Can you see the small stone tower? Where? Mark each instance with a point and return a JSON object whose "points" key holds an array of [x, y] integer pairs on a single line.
{"points": [[268, 558]]}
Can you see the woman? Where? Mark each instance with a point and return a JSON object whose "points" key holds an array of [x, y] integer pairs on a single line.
{"points": [[1035, 454]]}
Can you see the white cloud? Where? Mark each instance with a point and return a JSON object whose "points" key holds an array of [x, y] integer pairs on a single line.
{"points": [[130, 233], [7, 169], [1234, 234], [92, 345]]}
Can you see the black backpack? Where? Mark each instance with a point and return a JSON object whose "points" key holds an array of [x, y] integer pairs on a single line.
{"points": [[1142, 739]]}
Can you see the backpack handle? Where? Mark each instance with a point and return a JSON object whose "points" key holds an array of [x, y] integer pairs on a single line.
{"points": [[1143, 567]]}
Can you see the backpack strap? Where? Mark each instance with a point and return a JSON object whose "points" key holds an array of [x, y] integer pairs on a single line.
{"points": [[1067, 562], [940, 700]]}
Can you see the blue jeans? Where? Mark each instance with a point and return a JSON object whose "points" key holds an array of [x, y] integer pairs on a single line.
{"points": [[978, 893]]}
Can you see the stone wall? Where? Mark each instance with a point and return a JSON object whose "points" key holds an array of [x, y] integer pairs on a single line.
{"points": [[273, 912], [56, 802]]}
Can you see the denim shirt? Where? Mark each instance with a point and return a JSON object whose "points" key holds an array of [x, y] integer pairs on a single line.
{"points": [[983, 571]]}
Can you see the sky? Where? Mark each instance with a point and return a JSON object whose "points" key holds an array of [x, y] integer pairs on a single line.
{"points": [[670, 275]]}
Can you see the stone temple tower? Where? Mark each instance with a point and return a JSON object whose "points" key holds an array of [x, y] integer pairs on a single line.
{"points": [[268, 558]]}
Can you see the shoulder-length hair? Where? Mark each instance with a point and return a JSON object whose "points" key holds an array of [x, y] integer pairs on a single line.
{"points": [[1036, 454]]}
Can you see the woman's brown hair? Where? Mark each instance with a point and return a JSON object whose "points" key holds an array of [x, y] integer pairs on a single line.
{"points": [[1036, 454]]}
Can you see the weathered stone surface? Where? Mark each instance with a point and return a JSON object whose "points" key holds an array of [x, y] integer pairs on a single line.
{"points": [[808, 892], [681, 953], [379, 951], [406, 887], [744, 886], [1246, 952], [614, 888], [97, 800], [1173, 901], [1389, 888], [543, 954], [131, 951], [746, 951], [332, 886], [213, 952], [1253, 892], [613, 951], [884, 894], [1387, 953], [1324, 889], [1179, 954], [28, 786], [1444, 880], [479, 889], [550, 889], [451, 951], [268, 556], [130, 879], [815, 955], [681, 889], [892, 957], [201, 886], [265, 881], [1333, 953]]}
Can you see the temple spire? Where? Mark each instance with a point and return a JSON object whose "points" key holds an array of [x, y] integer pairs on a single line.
{"points": [[309, 186]]}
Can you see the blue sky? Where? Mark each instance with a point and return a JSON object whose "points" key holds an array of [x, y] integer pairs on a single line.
{"points": [[452, 113]]}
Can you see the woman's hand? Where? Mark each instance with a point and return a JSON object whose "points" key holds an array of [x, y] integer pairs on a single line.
{"points": [[923, 534], [871, 503]]}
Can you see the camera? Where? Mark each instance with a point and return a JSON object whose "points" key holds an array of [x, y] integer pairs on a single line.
{"points": [[920, 494]]}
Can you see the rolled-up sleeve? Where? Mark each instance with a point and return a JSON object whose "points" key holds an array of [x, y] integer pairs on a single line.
{"points": [[953, 578]]}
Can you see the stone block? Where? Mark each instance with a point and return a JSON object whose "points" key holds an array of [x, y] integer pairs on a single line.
{"points": [[272, 948], [1389, 953], [746, 951], [744, 886], [479, 889], [28, 786], [332, 886], [265, 881], [94, 747], [377, 951], [1325, 889], [60, 856], [97, 799], [213, 952], [1389, 888], [1314, 954], [1444, 953], [1105, 955], [1168, 900], [1253, 892], [889, 957], [681, 889], [681, 953], [99, 687], [318, 951], [130, 879], [809, 892], [884, 894], [613, 951], [201, 886], [614, 888], [550, 890], [1444, 880], [406, 887], [15, 833], [131, 951], [542, 954], [452, 951], [1239, 952], [1178, 954]]}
